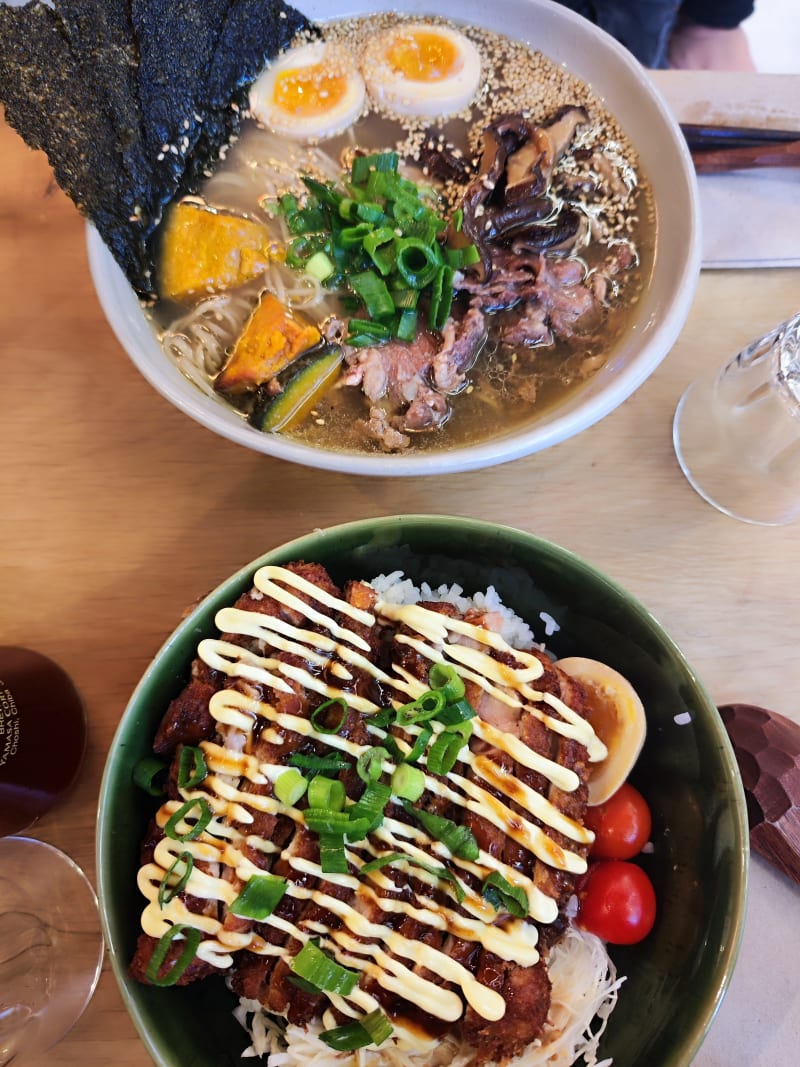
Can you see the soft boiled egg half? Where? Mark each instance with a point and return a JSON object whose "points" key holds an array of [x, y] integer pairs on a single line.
{"points": [[422, 69], [308, 93]]}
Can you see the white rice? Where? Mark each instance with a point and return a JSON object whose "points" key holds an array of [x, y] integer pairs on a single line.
{"points": [[395, 588]]}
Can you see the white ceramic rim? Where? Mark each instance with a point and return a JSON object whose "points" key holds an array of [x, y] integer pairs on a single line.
{"points": [[602, 59]]}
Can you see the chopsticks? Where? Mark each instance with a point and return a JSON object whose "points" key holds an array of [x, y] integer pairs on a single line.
{"points": [[716, 149]]}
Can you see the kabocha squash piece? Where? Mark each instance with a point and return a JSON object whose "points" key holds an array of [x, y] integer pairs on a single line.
{"points": [[207, 251], [273, 338], [305, 389]]}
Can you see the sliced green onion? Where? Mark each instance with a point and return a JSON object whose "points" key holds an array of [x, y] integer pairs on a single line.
{"points": [[290, 787], [315, 716], [370, 763], [317, 967], [420, 744], [309, 219], [260, 896], [369, 807], [441, 298], [319, 764], [460, 840], [362, 165], [364, 332], [382, 718], [503, 896], [332, 856], [203, 819], [371, 212], [379, 246], [458, 711], [325, 193], [423, 708], [390, 858], [372, 1029], [424, 226], [417, 263], [288, 205], [385, 259], [461, 257], [192, 767], [353, 236], [323, 821], [406, 325], [387, 185], [372, 290], [407, 207], [167, 889], [406, 298], [146, 774], [444, 752], [444, 676], [326, 793], [377, 1026], [408, 782], [192, 939], [320, 266], [382, 220], [302, 248]]}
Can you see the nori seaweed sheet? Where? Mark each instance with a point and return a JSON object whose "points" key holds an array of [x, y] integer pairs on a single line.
{"points": [[102, 86], [250, 37], [177, 41], [51, 103]]}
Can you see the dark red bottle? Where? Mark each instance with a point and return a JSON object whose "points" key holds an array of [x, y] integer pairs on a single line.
{"points": [[42, 736]]}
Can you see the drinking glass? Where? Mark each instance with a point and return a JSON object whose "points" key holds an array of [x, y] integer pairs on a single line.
{"points": [[737, 435], [51, 947]]}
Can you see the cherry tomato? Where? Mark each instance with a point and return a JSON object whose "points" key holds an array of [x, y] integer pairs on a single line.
{"points": [[617, 902], [621, 825]]}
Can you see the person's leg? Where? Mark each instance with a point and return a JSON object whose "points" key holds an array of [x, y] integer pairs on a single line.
{"points": [[642, 26]]}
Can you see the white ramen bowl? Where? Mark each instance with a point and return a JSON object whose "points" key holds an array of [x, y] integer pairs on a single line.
{"points": [[628, 93]]}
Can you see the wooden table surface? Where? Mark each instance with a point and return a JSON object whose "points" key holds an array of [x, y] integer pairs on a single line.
{"points": [[117, 511]]}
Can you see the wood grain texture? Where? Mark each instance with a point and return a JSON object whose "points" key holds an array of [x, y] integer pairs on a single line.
{"points": [[767, 747], [116, 512]]}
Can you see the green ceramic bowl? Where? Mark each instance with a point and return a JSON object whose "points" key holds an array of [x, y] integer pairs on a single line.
{"points": [[676, 977]]}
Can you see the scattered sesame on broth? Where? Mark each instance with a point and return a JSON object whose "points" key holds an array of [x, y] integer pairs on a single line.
{"points": [[426, 234]]}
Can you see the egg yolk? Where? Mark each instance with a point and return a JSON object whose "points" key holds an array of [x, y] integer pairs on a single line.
{"points": [[308, 90], [423, 56]]}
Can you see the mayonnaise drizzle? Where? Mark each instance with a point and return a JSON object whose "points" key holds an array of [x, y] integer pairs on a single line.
{"points": [[334, 651]]}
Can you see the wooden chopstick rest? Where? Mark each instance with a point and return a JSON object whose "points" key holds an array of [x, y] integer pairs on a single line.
{"points": [[767, 749]]}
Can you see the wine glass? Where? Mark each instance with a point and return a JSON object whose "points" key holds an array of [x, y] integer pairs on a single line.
{"points": [[737, 434], [51, 946]]}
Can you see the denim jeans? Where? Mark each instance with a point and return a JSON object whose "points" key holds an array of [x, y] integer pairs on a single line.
{"points": [[643, 26]]}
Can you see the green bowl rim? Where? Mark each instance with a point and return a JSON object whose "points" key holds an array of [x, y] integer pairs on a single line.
{"points": [[691, 1040]]}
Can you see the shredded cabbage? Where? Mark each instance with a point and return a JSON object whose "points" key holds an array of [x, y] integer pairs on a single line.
{"points": [[584, 993]]}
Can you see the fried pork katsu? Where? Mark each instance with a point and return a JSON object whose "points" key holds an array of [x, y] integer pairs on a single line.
{"points": [[432, 879]]}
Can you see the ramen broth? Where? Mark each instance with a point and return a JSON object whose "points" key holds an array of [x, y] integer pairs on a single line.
{"points": [[506, 387]]}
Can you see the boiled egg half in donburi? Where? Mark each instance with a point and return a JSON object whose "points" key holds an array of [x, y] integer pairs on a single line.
{"points": [[421, 69], [309, 93], [618, 717]]}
